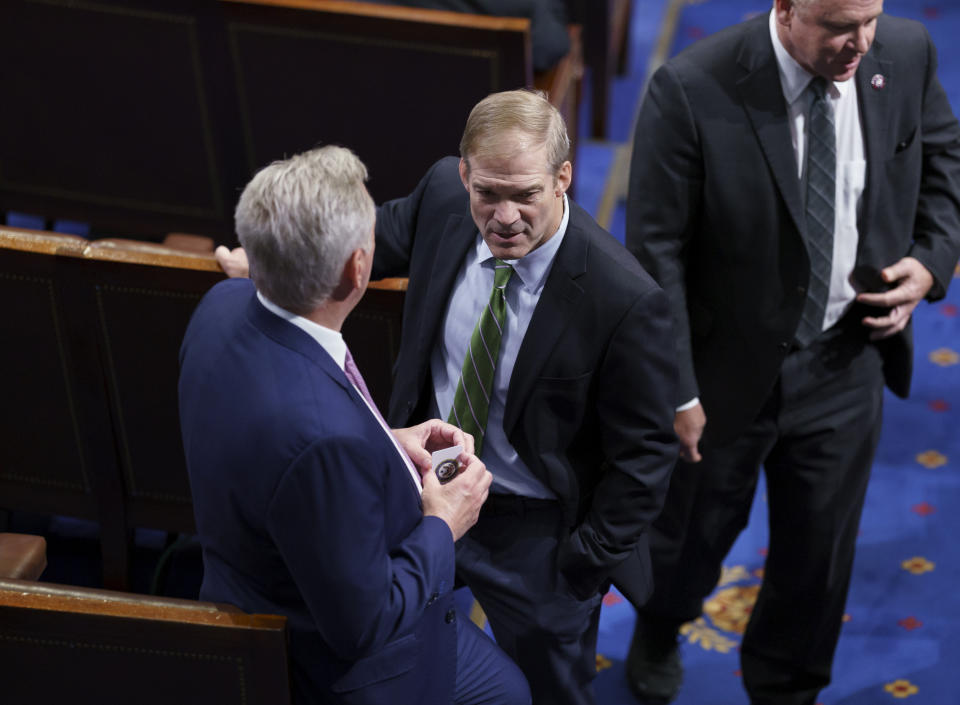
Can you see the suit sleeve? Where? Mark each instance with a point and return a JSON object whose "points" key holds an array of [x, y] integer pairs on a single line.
{"points": [[663, 203], [396, 228], [327, 519], [635, 401], [937, 231]]}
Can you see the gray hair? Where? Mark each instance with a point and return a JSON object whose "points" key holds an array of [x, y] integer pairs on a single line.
{"points": [[798, 3], [299, 221], [524, 110]]}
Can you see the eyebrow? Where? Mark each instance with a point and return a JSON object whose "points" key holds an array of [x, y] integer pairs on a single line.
{"points": [[488, 186], [847, 24]]}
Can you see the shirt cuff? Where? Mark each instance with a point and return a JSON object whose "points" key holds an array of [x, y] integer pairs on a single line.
{"points": [[689, 405]]}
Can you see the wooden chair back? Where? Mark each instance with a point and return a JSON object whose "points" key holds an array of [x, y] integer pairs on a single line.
{"points": [[91, 416], [54, 411], [67, 644], [165, 108]]}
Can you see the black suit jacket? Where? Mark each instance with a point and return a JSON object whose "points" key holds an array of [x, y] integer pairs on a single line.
{"points": [[715, 210], [590, 403]]}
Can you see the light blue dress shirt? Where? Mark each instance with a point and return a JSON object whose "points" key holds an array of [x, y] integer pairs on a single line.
{"points": [[471, 292]]}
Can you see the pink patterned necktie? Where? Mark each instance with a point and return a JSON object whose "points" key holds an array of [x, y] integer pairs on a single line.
{"points": [[353, 374]]}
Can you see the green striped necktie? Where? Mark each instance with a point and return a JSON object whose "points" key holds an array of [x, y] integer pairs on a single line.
{"points": [[471, 402]]}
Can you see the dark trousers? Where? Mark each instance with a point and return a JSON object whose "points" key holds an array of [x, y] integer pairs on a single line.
{"points": [[485, 676], [508, 560], [815, 438]]}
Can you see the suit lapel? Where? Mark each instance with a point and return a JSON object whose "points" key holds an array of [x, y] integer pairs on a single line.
{"points": [[552, 315], [763, 100], [874, 111], [291, 337], [458, 235]]}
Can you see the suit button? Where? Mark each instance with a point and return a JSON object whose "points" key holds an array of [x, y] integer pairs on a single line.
{"points": [[783, 346], [450, 616], [433, 598], [801, 290]]}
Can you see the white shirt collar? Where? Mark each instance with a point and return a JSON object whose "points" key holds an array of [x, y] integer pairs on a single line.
{"points": [[793, 77], [329, 339], [533, 267]]}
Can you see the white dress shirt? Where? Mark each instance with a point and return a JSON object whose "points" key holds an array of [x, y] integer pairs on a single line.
{"points": [[851, 167], [332, 341], [470, 293]]}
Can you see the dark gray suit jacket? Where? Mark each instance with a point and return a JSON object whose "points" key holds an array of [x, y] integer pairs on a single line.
{"points": [[715, 210], [590, 403]]}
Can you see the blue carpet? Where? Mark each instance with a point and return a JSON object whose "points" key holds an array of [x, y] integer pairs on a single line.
{"points": [[898, 642]]}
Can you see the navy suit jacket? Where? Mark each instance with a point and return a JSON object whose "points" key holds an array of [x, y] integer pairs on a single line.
{"points": [[715, 210], [589, 407], [305, 509]]}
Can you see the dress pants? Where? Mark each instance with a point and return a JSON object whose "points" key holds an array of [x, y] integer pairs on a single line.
{"points": [[508, 560], [485, 675], [815, 438]]}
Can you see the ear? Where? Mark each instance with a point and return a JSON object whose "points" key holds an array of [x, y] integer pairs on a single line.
{"points": [[358, 264], [351, 278], [784, 10], [465, 174], [563, 178]]}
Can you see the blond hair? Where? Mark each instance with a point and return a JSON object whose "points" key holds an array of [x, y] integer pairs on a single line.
{"points": [[527, 111]]}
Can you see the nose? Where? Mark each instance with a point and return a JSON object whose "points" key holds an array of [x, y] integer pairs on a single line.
{"points": [[862, 39], [506, 212]]}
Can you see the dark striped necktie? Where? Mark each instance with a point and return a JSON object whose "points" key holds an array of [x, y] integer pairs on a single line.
{"points": [[471, 401], [821, 185]]}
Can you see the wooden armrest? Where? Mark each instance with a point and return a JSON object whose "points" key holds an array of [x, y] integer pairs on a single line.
{"points": [[41, 241], [391, 284], [149, 253], [68, 598], [22, 556], [400, 12], [189, 242]]}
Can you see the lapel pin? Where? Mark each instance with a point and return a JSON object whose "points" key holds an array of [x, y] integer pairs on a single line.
{"points": [[878, 81]]}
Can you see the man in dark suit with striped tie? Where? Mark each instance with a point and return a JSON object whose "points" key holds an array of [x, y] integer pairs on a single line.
{"points": [[795, 187], [529, 325]]}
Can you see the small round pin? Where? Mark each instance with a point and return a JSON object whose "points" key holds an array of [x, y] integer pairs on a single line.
{"points": [[446, 471], [878, 81]]}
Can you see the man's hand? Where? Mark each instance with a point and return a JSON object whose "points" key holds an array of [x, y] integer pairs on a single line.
{"points": [[688, 425], [233, 262], [422, 440], [913, 281], [458, 502]]}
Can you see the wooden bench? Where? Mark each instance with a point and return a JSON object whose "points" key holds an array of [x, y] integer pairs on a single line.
{"points": [[165, 108], [61, 644], [91, 412]]}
